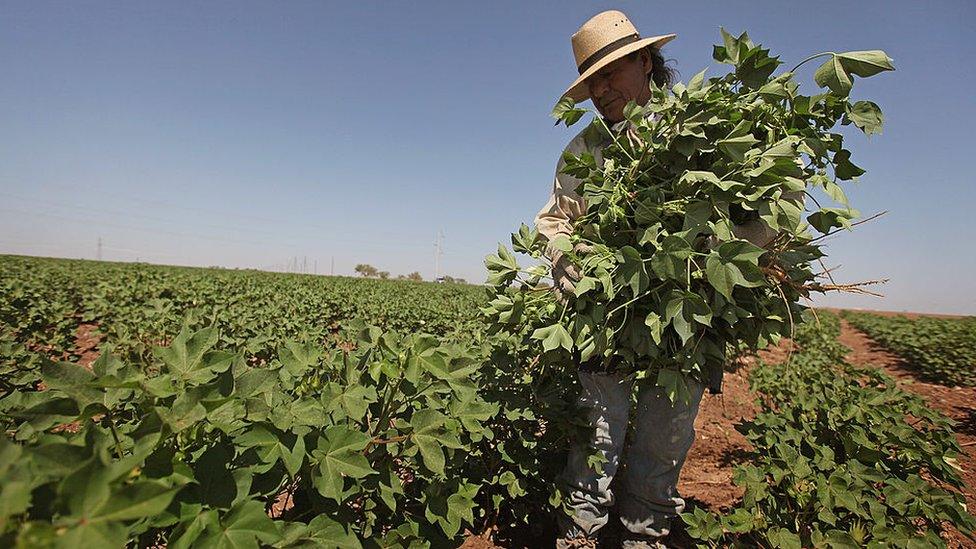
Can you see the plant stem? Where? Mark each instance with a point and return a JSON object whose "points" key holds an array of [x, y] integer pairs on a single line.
{"points": [[115, 435], [812, 57], [612, 136]]}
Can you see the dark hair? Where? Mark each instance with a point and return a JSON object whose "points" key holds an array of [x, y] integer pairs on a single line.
{"points": [[661, 74]]}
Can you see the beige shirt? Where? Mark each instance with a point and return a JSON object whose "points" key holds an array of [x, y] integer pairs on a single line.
{"points": [[564, 205]]}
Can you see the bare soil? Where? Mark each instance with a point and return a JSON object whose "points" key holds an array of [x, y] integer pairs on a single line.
{"points": [[87, 340]]}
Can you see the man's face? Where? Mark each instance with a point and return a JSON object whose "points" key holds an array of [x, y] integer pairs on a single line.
{"points": [[621, 81]]}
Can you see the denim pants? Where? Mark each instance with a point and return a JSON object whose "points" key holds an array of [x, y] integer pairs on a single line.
{"points": [[649, 465]]}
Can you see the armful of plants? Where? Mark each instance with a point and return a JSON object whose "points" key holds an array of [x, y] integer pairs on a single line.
{"points": [[687, 169]]}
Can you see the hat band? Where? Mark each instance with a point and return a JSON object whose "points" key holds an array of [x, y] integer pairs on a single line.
{"points": [[602, 52]]}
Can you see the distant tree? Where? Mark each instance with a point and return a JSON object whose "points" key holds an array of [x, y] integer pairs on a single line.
{"points": [[366, 270], [415, 276], [384, 275]]}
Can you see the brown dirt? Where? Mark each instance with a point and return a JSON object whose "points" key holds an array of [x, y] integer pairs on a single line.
{"points": [[477, 542], [958, 403], [87, 340], [706, 478]]}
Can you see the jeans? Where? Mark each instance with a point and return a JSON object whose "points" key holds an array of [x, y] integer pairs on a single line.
{"points": [[662, 435]]}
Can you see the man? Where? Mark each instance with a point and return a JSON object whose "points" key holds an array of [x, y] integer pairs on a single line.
{"points": [[616, 66]]}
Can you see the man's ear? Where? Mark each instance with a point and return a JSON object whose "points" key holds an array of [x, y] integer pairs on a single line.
{"points": [[646, 63]]}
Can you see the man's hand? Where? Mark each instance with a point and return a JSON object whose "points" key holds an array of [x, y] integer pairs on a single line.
{"points": [[565, 274]]}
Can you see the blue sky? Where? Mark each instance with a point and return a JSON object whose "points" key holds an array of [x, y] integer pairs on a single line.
{"points": [[244, 134]]}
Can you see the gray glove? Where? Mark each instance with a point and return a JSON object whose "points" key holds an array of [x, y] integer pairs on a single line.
{"points": [[565, 274]]}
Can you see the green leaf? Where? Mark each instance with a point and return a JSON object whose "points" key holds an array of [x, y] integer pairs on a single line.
{"points": [[633, 112], [736, 147], [723, 276], [691, 177], [502, 267], [565, 110], [670, 261], [323, 531], [653, 321], [696, 219], [472, 412], [867, 116], [95, 535], [784, 539], [293, 459], [254, 381], [460, 508], [562, 244], [740, 251], [553, 337], [187, 358], [697, 81], [836, 72], [835, 192], [185, 412], [138, 500], [431, 437], [674, 385], [87, 489], [270, 447], [586, 284], [355, 400], [865, 63], [212, 471], [826, 219], [631, 270], [72, 380], [832, 75], [844, 168], [298, 358], [339, 454], [242, 528], [684, 310], [195, 522], [524, 241]]}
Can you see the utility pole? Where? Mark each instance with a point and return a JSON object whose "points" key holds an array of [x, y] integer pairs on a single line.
{"points": [[438, 252], [99, 253]]}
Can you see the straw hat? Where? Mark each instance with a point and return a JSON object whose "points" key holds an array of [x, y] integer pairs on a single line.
{"points": [[606, 37]]}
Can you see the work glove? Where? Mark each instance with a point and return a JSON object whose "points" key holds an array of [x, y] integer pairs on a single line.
{"points": [[565, 274]]}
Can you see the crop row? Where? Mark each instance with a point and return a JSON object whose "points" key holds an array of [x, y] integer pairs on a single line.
{"points": [[836, 462], [134, 307], [942, 350], [237, 409], [240, 408]]}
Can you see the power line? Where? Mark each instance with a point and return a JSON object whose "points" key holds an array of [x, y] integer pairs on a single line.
{"points": [[235, 229]]}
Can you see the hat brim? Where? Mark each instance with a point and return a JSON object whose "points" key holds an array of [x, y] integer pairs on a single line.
{"points": [[578, 89]]}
